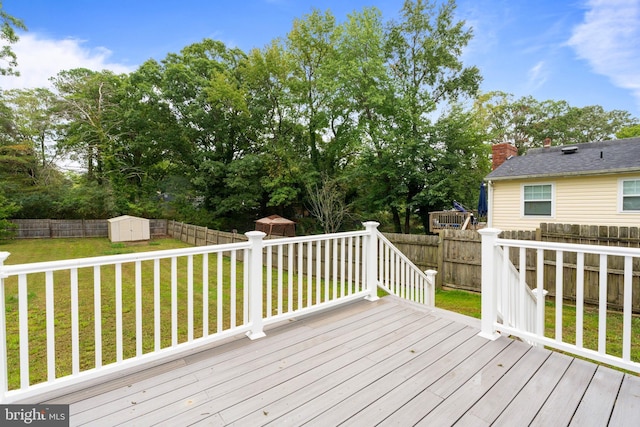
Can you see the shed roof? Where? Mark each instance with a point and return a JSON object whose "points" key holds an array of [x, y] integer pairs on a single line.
{"points": [[594, 158], [125, 217]]}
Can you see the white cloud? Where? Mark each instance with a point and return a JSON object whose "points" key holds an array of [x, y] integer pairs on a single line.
{"points": [[40, 58], [608, 39], [537, 76]]}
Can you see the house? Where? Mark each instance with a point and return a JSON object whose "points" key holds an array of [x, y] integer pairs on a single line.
{"points": [[594, 183]]}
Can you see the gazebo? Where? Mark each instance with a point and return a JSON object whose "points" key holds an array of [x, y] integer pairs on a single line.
{"points": [[275, 225]]}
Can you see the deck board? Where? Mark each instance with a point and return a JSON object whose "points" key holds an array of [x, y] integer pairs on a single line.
{"points": [[561, 404], [628, 402], [597, 403], [526, 404], [387, 362], [496, 400]]}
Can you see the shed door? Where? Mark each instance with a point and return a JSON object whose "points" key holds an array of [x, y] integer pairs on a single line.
{"points": [[136, 230]]}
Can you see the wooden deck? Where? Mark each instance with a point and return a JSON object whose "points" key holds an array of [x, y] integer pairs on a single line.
{"points": [[369, 363]]}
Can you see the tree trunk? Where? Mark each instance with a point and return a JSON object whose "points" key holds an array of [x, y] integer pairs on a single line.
{"points": [[397, 228], [407, 220]]}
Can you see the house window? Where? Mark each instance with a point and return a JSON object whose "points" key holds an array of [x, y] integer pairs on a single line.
{"points": [[631, 195], [538, 200]]}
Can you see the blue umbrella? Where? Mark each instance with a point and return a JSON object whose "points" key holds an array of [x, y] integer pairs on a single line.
{"points": [[483, 209]]}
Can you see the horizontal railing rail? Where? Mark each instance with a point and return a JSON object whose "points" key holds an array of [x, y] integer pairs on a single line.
{"points": [[66, 322], [496, 284]]}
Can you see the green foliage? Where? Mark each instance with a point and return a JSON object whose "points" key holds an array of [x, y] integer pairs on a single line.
{"points": [[629, 132], [7, 209], [527, 122], [367, 108], [8, 36], [87, 200]]}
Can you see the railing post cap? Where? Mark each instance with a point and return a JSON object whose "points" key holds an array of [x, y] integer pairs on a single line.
{"points": [[4, 255], [255, 234], [373, 224], [489, 231]]}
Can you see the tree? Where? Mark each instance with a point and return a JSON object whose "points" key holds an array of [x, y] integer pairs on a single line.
{"points": [[459, 163], [35, 124], [89, 106], [527, 122], [423, 58], [273, 118], [8, 27], [629, 132], [7, 209], [327, 204], [148, 150], [311, 45]]}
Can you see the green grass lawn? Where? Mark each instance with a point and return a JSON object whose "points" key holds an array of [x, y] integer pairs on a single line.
{"points": [[37, 250], [468, 303]]}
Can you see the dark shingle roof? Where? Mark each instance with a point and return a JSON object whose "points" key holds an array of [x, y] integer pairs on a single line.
{"points": [[592, 158]]}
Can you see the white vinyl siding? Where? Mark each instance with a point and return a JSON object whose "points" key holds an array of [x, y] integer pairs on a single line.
{"points": [[537, 200], [584, 200], [630, 195]]}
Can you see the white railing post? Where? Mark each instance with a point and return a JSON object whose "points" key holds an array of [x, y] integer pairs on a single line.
{"points": [[489, 283], [4, 379], [255, 285], [431, 292], [372, 259]]}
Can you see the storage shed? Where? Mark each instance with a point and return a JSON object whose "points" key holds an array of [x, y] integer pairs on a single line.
{"points": [[127, 228], [275, 225]]}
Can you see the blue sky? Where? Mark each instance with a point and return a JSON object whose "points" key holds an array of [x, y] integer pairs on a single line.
{"points": [[586, 52]]}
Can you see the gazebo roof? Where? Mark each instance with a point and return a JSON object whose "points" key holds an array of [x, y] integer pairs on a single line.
{"points": [[274, 220], [276, 225]]}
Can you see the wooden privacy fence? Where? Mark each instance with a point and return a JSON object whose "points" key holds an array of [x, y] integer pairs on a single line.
{"points": [[201, 236], [60, 228]]}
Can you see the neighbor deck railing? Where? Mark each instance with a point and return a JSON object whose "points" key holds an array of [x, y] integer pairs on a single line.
{"points": [[506, 303], [66, 322]]}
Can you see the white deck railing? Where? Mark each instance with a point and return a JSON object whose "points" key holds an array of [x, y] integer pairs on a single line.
{"points": [[499, 286], [399, 276], [516, 302], [71, 321]]}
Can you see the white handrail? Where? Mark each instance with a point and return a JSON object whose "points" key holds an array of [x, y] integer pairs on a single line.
{"points": [[497, 317]]}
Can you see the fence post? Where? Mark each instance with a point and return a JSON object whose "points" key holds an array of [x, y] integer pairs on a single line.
{"points": [[442, 234], [431, 292], [372, 259], [255, 285], [4, 379], [489, 283]]}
